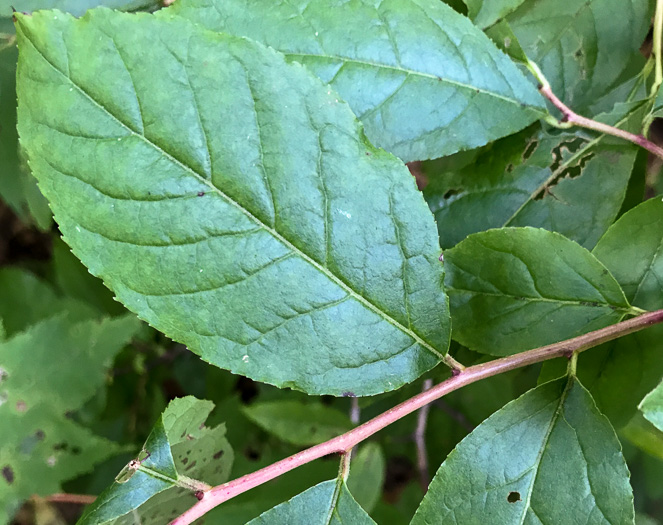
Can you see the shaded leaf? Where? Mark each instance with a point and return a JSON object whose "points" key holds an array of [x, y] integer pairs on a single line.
{"points": [[566, 183], [652, 406], [298, 423], [351, 277], [514, 289], [367, 475], [423, 80], [620, 373], [40, 446], [644, 435], [180, 447], [547, 457], [26, 300], [485, 13], [584, 47], [329, 503]]}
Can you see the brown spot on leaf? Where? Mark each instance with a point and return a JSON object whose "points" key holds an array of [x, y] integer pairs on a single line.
{"points": [[218, 454]]}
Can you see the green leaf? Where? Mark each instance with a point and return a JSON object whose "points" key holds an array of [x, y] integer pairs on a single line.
{"points": [[547, 457], [620, 373], [328, 503], [180, 447], [514, 289], [26, 300], [367, 475], [298, 423], [584, 47], [46, 373], [423, 80], [644, 435], [565, 183], [652, 406], [296, 278], [75, 7], [485, 13]]}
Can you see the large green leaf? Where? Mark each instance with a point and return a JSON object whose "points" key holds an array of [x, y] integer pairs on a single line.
{"points": [[234, 224], [652, 406], [180, 447], [329, 503], [567, 183], [424, 81], [46, 373], [514, 289], [298, 423], [549, 457], [584, 47]]}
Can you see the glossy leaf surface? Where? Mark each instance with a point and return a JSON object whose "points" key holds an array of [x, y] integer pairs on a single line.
{"points": [[423, 80], [296, 278], [514, 289], [329, 503], [549, 457]]}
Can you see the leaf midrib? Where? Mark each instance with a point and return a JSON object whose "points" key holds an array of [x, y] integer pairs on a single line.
{"points": [[330, 275]]}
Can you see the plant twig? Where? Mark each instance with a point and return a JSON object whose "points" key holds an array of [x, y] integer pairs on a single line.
{"points": [[420, 440], [77, 499], [656, 48], [571, 118], [343, 443]]}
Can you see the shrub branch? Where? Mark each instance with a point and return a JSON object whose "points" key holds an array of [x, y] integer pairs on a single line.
{"points": [[343, 444]]}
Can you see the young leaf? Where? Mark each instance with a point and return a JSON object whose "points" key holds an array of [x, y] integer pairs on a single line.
{"points": [[514, 289], [548, 457], [583, 47], [328, 503], [424, 81], [40, 447], [564, 183], [160, 487], [298, 423], [272, 262], [652, 406]]}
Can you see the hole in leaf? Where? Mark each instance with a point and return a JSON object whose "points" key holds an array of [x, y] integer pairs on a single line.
{"points": [[8, 474], [513, 497], [530, 149], [246, 388], [218, 454]]}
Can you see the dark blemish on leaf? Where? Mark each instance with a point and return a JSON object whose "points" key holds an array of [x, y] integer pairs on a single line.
{"points": [[75, 450], [3, 374], [252, 454], [21, 406], [348, 394], [69, 414], [450, 193], [185, 461], [8, 474], [513, 497], [193, 464], [578, 53], [40, 435], [183, 434], [509, 168], [590, 303], [201, 194], [60, 446], [218, 454], [368, 153], [200, 495]]}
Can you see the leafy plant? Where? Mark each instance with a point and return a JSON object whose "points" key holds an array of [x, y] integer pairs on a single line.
{"points": [[233, 170]]}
